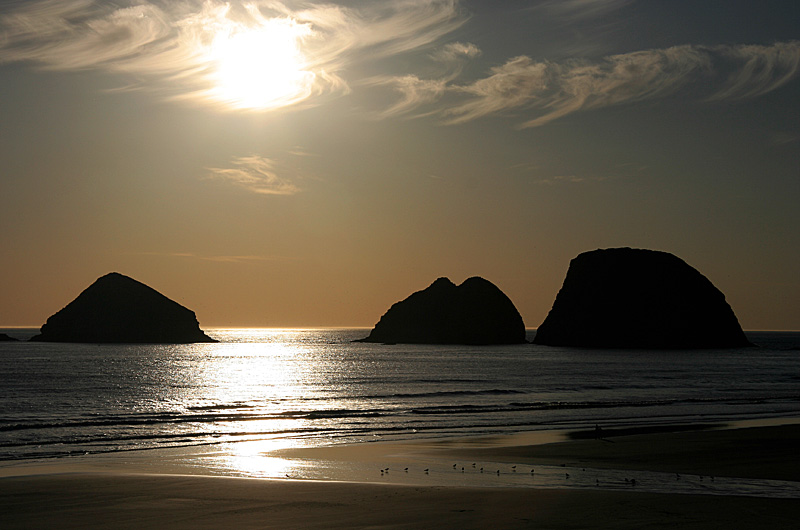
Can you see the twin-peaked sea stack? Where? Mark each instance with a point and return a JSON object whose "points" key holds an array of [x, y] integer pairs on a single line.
{"points": [[475, 312], [634, 298], [119, 309]]}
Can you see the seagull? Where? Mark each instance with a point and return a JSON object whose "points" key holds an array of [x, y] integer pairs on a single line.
{"points": [[426, 470], [406, 470], [514, 468]]}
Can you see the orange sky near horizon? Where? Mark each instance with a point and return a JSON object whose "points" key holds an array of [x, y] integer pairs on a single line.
{"points": [[308, 164]]}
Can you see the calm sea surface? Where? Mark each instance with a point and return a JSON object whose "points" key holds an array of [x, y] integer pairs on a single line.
{"points": [[317, 387]]}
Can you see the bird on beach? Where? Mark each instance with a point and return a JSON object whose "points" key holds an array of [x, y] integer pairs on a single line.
{"points": [[514, 469], [406, 470], [426, 470]]}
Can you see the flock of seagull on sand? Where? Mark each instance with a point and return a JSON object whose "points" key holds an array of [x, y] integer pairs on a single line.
{"points": [[631, 481], [385, 470]]}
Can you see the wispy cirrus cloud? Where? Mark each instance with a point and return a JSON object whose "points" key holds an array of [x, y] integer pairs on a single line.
{"points": [[256, 174], [555, 90], [539, 92], [174, 47], [415, 92], [580, 8], [216, 258], [761, 69], [455, 52]]}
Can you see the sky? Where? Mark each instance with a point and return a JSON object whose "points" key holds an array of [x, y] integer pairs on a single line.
{"points": [[304, 164]]}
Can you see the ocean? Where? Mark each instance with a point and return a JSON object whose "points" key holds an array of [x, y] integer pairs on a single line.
{"points": [[311, 387]]}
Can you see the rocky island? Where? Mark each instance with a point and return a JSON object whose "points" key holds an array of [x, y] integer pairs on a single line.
{"points": [[475, 312], [635, 298], [119, 309]]}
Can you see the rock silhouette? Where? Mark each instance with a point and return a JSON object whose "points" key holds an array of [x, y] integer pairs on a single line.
{"points": [[475, 312], [5, 338], [635, 298], [119, 309]]}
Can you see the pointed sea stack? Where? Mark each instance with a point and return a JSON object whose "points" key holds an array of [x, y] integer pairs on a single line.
{"points": [[119, 309], [634, 298], [475, 312]]}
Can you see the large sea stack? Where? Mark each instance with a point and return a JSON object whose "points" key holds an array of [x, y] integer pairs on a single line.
{"points": [[119, 309], [633, 298], [475, 312]]}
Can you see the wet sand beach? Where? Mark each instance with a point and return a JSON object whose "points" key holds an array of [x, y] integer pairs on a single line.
{"points": [[54, 496]]}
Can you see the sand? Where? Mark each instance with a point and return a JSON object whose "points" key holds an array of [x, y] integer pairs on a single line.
{"points": [[113, 499]]}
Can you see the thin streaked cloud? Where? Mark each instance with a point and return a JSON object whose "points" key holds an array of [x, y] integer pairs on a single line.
{"points": [[761, 69], [580, 8], [538, 92], [455, 51], [256, 174], [217, 258], [415, 92]]}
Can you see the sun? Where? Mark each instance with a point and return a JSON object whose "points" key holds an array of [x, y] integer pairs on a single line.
{"points": [[261, 67]]}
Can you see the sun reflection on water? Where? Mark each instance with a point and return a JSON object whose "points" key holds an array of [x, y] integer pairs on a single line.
{"points": [[253, 374], [253, 459], [250, 385]]}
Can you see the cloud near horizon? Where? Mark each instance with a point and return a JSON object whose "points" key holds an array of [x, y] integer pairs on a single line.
{"points": [[546, 91], [256, 174]]}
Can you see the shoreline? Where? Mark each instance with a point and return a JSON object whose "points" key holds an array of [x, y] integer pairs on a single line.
{"points": [[679, 447], [123, 494]]}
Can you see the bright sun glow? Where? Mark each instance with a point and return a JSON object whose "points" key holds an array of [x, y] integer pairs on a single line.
{"points": [[260, 67]]}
